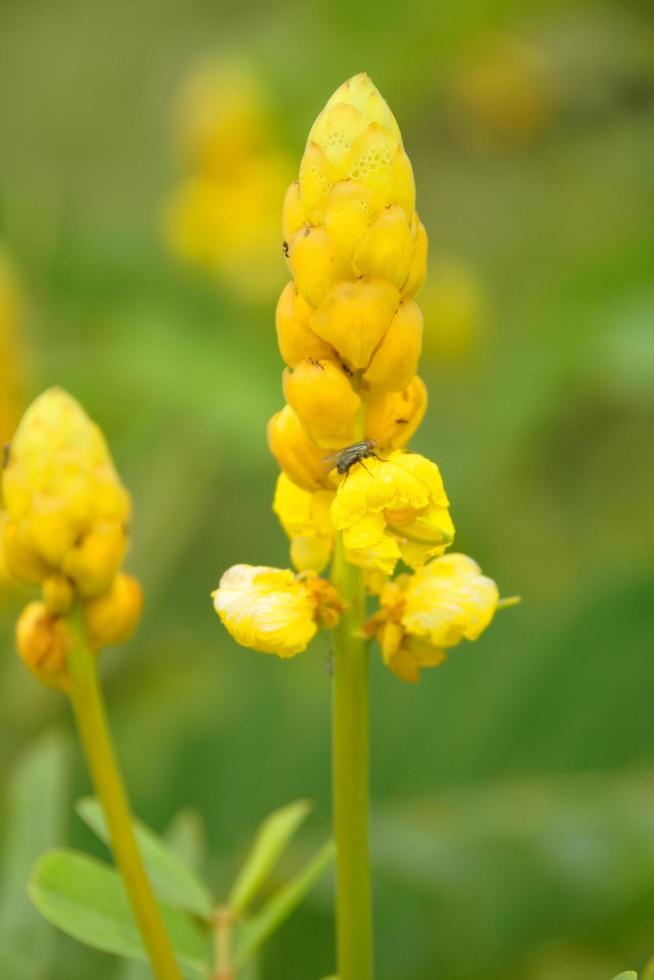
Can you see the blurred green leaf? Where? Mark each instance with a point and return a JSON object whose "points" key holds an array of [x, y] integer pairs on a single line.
{"points": [[35, 805], [185, 837], [648, 972], [281, 905], [172, 881], [628, 975], [272, 837], [87, 900]]}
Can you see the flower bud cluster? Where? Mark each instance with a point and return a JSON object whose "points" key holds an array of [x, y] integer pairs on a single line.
{"points": [[64, 528]]}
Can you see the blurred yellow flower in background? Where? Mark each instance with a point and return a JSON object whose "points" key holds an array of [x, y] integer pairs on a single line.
{"points": [[454, 307], [502, 94], [223, 214]]}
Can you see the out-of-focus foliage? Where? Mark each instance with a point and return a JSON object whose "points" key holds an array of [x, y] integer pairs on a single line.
{"points": [[512, 789]]}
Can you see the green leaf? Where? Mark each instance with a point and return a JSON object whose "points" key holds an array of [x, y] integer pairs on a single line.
{"points": [[87, 900], [34, 810], [627, 975], [272, 837], [281, 905], [186, 839], [172, 881]]}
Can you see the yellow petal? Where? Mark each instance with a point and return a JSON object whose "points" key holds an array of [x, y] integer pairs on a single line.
{"points": [[266, 609], [311, 553], [43, 642], [448, 600], [350, 210], [418, 269], [112, 617], [294, 216]]}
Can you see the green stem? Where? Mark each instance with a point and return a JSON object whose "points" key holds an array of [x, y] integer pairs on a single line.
{"points": [[350, 776], [88, 706]]}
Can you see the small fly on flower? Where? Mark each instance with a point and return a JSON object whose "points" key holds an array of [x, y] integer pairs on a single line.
{"points": [[346, 458]]}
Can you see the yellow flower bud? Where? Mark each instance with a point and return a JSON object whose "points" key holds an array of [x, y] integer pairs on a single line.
{"points": [[418, 269], [424, 614], [316, 263], [386, 251], [354, 316], [349, 211], [43, 641], [316, 178], [296, 339], [294, 217], [394, 508], [271, 609], [395, 361], [392, 417], [112, 617], [66, 507], [296, 455], [58, 594], [306, 518], [320, 394]]}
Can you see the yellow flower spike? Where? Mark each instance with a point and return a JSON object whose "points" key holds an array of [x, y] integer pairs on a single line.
{"points": [[271, 609], [296, 339], [395, 361], [42, 640], [386, 250], [354, 317], [321, 395], [393, 417], [316, 263], [306, 519], [58, 594], [66, 507], [418, 269], [296, 455], [394, 508], [112, 617]]}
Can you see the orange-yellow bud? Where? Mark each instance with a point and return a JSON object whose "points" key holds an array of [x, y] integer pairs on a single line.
{"points": [[395, 361], [323, 399], [296, 339], [354, 316], [296, 455], [393, 417], [112, 617], [43, 641]]}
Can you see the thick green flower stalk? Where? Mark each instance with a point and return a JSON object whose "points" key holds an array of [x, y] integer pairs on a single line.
{"points": [[65, 529], [350, 332]]}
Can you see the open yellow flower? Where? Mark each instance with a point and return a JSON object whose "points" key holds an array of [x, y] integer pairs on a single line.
{"points": [[393, 508], [66, 509], [424, 614], [307, 521], [272, 610]]}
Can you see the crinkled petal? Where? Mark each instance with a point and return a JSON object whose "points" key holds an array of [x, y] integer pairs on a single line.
{"points": [[266, 609]]}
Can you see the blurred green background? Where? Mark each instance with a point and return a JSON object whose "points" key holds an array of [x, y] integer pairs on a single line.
{"points": [[513, 788]]}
